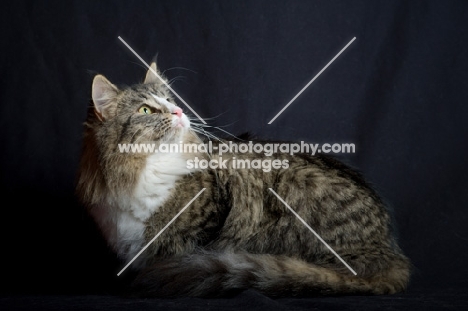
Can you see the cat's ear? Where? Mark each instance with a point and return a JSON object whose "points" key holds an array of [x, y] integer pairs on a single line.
{"points": [[103, 93], [151, 78]]}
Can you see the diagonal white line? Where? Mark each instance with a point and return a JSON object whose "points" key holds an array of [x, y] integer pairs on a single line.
{"points": [[159, 233], [167, 85], [315, 233], [316, 76]]}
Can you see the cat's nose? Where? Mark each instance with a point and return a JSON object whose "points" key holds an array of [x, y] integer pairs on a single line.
{"points": [[178, 111]]}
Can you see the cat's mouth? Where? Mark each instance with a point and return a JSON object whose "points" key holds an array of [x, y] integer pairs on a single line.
{"points": [[180, 121]]}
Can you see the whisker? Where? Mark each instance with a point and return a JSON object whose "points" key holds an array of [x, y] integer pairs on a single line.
{"points": [[208, 134], [232, 135], [170, 82], [219, 129], [199, 131], [183, 68], [217, 116], [196, 119]]}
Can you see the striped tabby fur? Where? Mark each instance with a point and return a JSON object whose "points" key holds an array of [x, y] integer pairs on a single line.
{"points": [[236, 234]]}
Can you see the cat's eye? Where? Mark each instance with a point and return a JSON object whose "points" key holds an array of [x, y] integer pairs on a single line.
{"points": [[145, 110]]}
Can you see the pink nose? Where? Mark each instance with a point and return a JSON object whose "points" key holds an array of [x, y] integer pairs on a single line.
{"points": [[178, 111]]}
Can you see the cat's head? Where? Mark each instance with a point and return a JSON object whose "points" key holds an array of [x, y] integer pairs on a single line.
{"points": [[142, 113]]}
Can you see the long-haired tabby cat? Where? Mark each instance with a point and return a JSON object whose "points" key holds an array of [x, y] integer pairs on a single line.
{"points": [[237, 234]]}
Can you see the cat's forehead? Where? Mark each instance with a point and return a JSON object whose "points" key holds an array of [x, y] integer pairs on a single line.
{"points": [[148, 91], [145, 94]]}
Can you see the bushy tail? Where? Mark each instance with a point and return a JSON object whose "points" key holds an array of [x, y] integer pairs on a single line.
{"points": [[215, 275]]}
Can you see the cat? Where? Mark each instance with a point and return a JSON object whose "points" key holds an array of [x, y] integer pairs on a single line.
{"points": [[236, 234]]}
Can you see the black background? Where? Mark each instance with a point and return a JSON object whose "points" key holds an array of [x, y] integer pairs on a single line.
{"points": [[398, 92]]}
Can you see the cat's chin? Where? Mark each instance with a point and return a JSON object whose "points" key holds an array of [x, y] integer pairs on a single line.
{"points": [[181, 133], [179, 129]]}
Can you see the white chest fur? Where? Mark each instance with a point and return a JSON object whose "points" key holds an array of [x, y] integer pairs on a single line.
{"points": [[122, 219]]}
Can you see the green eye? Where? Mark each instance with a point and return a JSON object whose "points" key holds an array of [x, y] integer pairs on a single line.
{"points": [[145, 110]]}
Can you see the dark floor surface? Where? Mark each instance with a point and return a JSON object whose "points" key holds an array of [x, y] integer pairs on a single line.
{"points": [[447, 299]]}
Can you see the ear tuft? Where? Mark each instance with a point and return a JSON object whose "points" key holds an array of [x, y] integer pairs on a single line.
{"points": [[151, 77], [103, 92]]}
